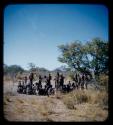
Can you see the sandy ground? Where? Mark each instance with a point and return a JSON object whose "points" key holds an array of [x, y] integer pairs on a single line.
{"points": [[21, 107]]}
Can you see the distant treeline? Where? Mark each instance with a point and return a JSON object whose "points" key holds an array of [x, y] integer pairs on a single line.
{"points": [[13, 70], [93, 55]]}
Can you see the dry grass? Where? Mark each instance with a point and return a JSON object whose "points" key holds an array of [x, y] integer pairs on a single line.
{"points": [[75, 106], [103, 79], [7, 78], [85, 96], [92, 105], [78, 105]]}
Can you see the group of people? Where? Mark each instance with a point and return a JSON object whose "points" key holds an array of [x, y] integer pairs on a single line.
{"points": [[27, 85], [59, 81], [79, 81]]}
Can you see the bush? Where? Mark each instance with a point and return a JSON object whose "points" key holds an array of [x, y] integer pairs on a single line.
{"points": [[103, 81], [89, 96], [71, 75], [82, 98]]}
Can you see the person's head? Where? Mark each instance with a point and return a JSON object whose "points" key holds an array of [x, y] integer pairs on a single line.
{"points": [[44, 76], [25, 77]]}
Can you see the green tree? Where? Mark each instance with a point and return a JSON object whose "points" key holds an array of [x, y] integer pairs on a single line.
{"points": [[98, 50], [13, 69], [74, 55], [32, 66], [92, 55]]}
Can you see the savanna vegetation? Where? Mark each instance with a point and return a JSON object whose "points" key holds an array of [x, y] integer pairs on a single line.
{"points": [[82, 105]]}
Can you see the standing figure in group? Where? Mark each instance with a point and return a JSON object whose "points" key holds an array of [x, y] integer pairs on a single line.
{"points": [[40, 79], [61, 81], [57, 81], [31, 78], [25, 79], [49, 78]]}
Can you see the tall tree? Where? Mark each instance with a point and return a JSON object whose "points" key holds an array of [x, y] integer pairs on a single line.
{"points": [[92, 55], [98, 50], [74, 55]]}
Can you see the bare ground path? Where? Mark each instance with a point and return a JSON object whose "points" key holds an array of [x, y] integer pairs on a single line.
{"points": [[43, 108], [35, 108], [21, 107]]}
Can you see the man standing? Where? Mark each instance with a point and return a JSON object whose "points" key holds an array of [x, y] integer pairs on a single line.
{"points": [[40, 79], [31, 77], [57, 79], [25, 79], [49, 82], [61, 81], [49, 78]]}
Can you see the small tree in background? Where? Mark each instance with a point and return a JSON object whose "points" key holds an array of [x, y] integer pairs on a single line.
{"points": [[32, 67]]}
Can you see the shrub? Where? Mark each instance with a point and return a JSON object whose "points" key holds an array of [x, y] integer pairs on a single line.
{"points": [[89, 96], [103, 79]]}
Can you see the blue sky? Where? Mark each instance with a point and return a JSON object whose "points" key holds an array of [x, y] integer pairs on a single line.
{"points": [[33, 32]]}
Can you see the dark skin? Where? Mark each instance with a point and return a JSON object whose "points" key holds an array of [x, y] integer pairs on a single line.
{"points": [[57, 79], [61, 80], [40, 79], [49, 79], [31, 77]]}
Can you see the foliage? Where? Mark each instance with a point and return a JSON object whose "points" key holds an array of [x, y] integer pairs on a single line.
{"points": [[98, 50], [91, 56], [13, 69], [32, 66], [71, 54]]}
